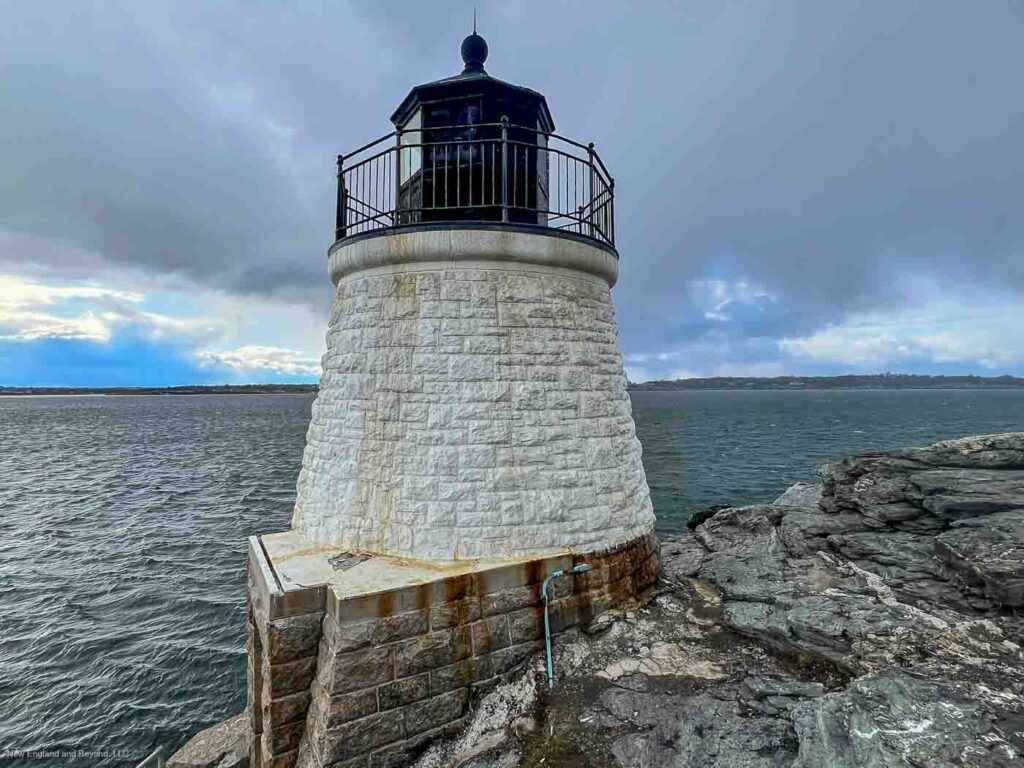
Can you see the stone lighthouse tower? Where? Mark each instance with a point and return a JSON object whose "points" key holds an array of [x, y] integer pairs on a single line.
{"points": [[472, 434]]}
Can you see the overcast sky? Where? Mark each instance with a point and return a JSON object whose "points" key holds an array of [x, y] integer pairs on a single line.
{"points": [[803, 187]]}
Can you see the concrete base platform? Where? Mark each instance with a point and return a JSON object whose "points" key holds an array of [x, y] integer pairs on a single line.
{"points": [[360, 660]]}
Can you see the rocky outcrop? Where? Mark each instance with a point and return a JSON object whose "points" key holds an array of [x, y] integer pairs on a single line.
{"points": [[225, 745], [868, 621]]}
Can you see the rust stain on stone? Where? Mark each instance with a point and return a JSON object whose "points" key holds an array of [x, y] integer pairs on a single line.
{"points": [[385, 605]]}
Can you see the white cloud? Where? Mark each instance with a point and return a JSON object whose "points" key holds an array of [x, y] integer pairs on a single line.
{"points": [[263, 359], [31, 310], [967, 330], [16, 293], [715, 297], [239, 332], [31, 326]]}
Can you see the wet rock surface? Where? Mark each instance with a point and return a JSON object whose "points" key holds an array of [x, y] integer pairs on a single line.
{"points": [[870, 621]]}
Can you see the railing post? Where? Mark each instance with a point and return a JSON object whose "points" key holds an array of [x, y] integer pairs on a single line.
{"points": [[341, 214], [593, 198], [397, 218], [611, 211], [504, 169]]}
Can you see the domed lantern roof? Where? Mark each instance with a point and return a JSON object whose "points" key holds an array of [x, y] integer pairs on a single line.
{"points": [[472, 97]]}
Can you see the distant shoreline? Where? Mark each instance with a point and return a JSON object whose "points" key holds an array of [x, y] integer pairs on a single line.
{"points": [[719, 384], [221, 389], [886, 381]]}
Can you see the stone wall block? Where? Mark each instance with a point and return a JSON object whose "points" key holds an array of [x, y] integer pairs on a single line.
{"points": [[281, 739], [253, 677], [384, 604], [331, 711], [286, 709], [404, 753], [509, 659], [294, 602], [292, 677], [490, 634], [438, 649], [436, 711], [460, 675], [357, 738], [568, 612], [355, 669], [404, 691], [454, 613], [595, 579], [526, 624], [293, 638], [348, 635], [508, 600]]}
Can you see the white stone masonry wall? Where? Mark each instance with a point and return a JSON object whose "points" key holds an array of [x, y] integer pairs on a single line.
{"points": [[472, 409]]}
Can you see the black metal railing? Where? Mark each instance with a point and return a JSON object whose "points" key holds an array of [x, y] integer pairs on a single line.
{"points": [[495, 172]]}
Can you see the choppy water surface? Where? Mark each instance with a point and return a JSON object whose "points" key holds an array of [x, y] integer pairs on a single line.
{"points": [[123, 523]]}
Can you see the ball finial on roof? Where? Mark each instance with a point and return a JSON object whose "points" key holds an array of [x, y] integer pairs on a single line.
{"points": [[474, 53]]}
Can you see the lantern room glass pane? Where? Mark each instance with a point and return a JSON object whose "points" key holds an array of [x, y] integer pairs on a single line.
{"points": [[411, 161]]}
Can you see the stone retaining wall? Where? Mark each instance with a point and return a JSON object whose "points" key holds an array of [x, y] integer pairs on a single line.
{"points": [[367, 681]]}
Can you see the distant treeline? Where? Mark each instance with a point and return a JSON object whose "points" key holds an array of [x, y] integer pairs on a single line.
{"points": [[219, 389], [874, 381]]}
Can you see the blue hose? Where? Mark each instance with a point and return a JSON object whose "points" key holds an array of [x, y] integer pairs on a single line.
{"points": [[581, 568]]}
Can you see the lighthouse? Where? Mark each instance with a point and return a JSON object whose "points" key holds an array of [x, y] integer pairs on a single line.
{"points": [[471, 437]]}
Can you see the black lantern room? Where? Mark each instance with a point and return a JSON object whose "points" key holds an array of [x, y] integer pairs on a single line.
{"points": [[472, 148]]}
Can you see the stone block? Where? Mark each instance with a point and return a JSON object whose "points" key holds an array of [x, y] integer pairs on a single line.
{"points": [[294, 602], [438, 649], [454, 613], [436, 711], [292, 677], [383, 604], [284, 710], [490, 634], [404, 753], [519, 288], [512, 315], [357, 738], [504, 577], [567, 613], [513, 657], [404, 691], [282, 738], [293, 638], [485, 345], [351, 635], [526, 624], [335, 710], [508, 600], [355, 669], [460, 675], [457, 290]]}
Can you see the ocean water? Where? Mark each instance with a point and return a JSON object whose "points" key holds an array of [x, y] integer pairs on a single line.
{"points": [[123, 523]]}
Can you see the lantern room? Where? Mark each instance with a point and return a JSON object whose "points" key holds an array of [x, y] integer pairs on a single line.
{"points": [[474, 149], [463, 138]]}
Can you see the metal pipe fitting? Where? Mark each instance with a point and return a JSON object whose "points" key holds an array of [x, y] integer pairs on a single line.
{"points": [[581, 568]]}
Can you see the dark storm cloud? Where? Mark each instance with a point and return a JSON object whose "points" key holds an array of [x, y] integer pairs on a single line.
{"points": [[818, 150]]}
